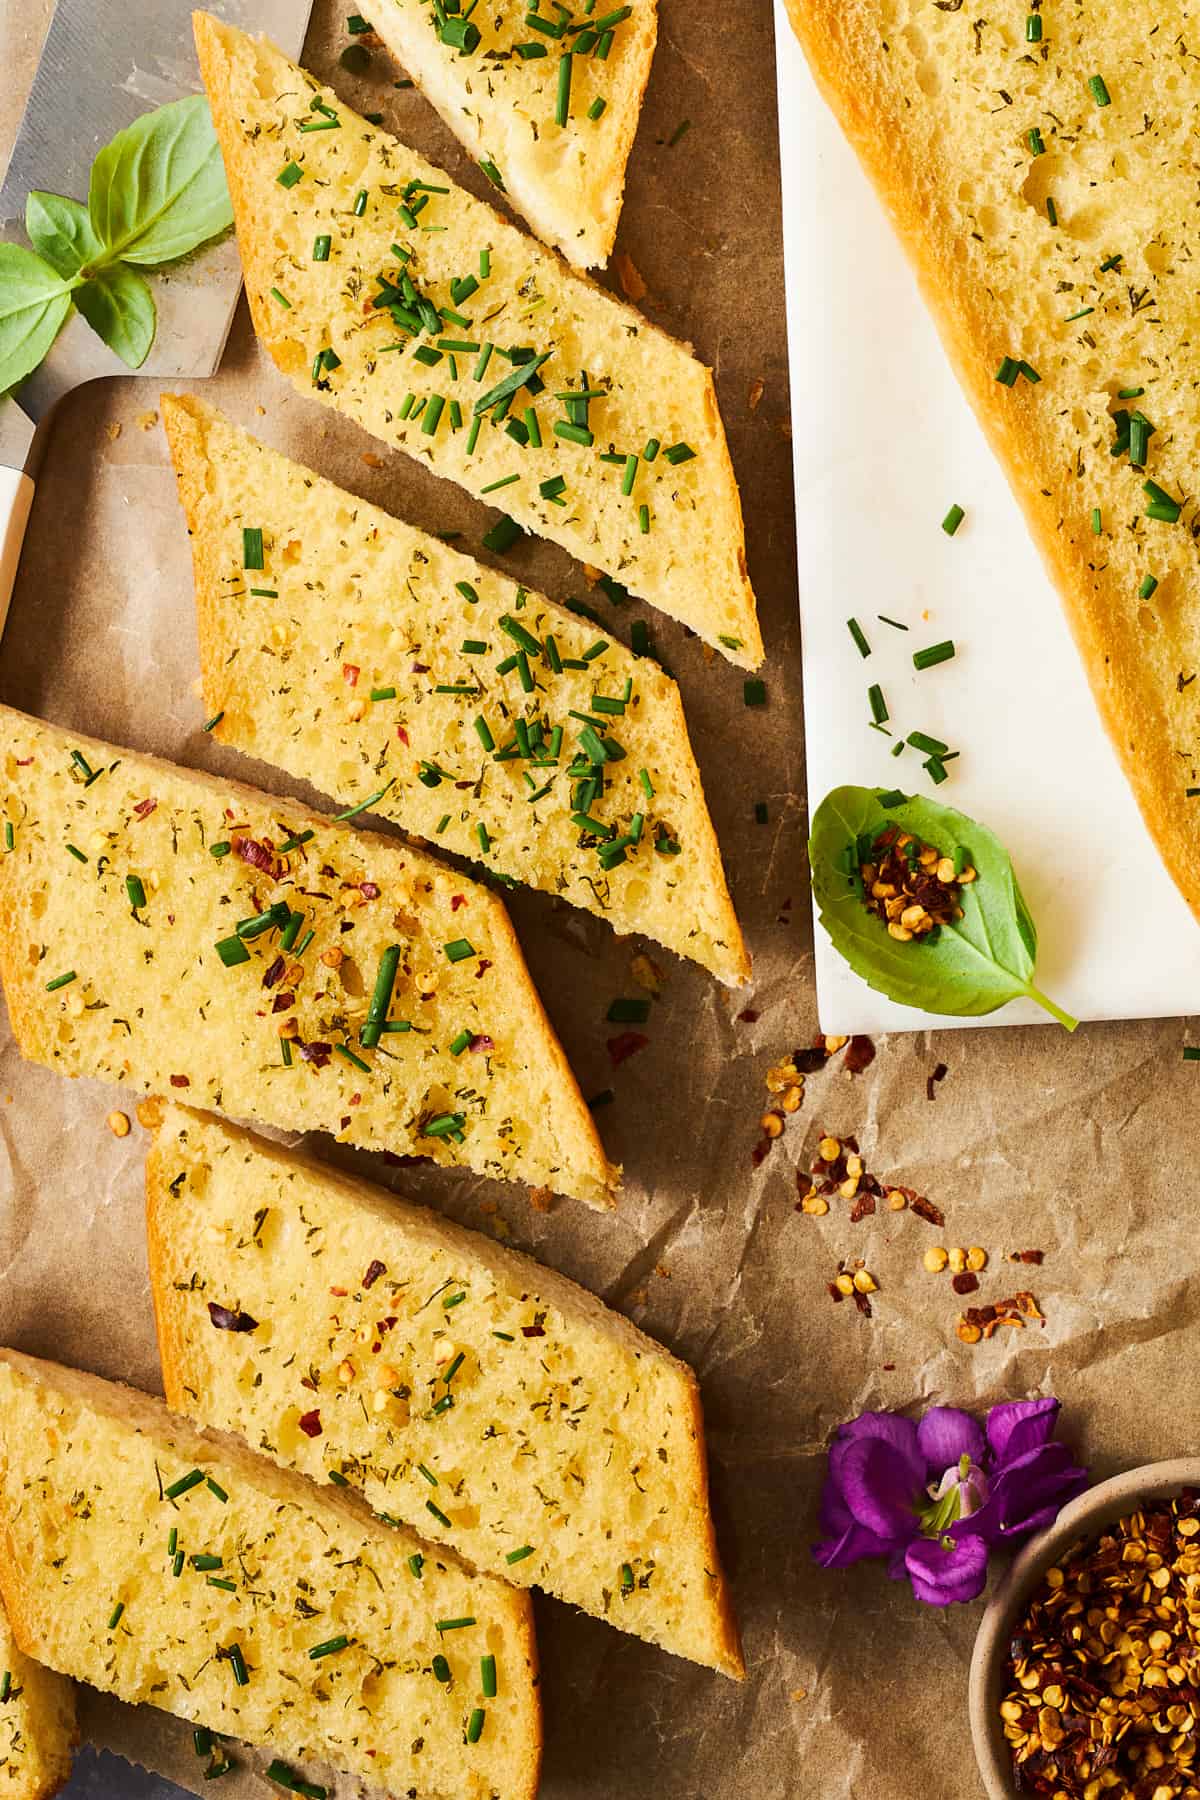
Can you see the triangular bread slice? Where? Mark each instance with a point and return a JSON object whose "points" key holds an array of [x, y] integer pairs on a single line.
{"points": [[38, 1732], [557, 141], [547, 1438], [366, 265], [342, 660], [182, 933], [173, 1567]]}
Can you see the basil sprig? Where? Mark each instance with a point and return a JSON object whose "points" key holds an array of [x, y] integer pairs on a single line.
{"points": [[156, 192], [978, 962]]}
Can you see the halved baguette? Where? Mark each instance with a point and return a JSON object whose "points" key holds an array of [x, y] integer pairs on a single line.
{"points": [[153, 985], [358, 605], [1045, 192], [312, 1634], [567, 1448], [317, 316], [499, 95], [38, 1732]]}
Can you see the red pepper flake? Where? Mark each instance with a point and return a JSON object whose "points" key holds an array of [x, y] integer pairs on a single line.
{"points": [[532, 1331], [310, 1423], [317, 1054], [834, 1292], [749, 1016], [350, 674], [809, 1061], [863, 1303], [369, 890], [420, 668], [24, 762], [1027, 1256], [481, 1043], [931, 1081], [482, 966], [227, 1318], [457, 900], [925, 1209], [625, 1045], [860, 1054], [374, 1270], [275, 973], [180, 1081], [283, 1002], [402, 734], [965, 1283], [260, 856], [144, 808], [758, 1154], [863, 1207]]}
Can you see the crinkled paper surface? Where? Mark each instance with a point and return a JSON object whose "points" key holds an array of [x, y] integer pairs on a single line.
{"points": [[1077, 1147]]}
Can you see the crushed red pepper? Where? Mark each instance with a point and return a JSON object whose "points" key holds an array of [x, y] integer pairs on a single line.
{"points": [[911, 886]]}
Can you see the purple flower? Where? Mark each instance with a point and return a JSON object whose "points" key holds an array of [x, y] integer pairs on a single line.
{"points": [[933, 1497]]}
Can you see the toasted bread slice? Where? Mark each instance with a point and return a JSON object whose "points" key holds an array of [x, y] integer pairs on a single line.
{"points": [[1043, 184], [499, 89], [354, 247], [38, 1732], [175, 1568], [565, 1449], [350, 666], [177, 932]]}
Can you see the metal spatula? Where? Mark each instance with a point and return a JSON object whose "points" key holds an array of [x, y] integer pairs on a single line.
{"points": [[103, 63]]}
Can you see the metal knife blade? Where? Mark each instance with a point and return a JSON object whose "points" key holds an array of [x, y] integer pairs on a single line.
{"points": [[104, 62]]}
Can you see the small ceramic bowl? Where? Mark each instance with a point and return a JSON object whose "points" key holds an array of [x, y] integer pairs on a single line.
{"points": [[1083, 1518]]}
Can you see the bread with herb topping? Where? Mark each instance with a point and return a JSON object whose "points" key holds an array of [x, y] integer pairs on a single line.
{"points": [[354, 247], [498, 83], [342, 660], [37, 1724], [1042, 180], [180, 933], [460, 1384], [173, 1567]]}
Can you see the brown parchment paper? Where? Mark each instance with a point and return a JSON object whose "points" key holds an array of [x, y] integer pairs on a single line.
{"points": [[1079, 1147]]}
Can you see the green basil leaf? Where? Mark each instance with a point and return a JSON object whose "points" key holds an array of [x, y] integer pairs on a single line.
{"points": [[61, 231], [978, 962], [119, 307], [34, 301], [159, 188]]}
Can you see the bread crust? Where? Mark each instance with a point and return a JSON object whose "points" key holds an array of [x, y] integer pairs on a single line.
{"points": [[745, 650], [188, 423], [182, 1374], [841, 50], [573, 1120]]}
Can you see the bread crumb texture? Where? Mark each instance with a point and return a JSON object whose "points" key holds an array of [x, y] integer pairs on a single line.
{"points": [[1039, 165], [457, 1384], [451, 334], [178, 1570], [512, 731], [499, 85], [37, 1724], [185, 935]]}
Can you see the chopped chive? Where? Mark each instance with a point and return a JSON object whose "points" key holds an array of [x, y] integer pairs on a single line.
{"points": [[626, 1578], [953, 520], [879, 711], [252, 547], [453, 1300], [936, 653], [1033, 28], [1083, 313], [644, 519], [932, 746], [6, 1685], [628, 1012], [647, 784], [936, 769], [1033, 138], [215, 1488], [761, 814], [475, 1725], [1098, 90], [679, 453], [516, 1556], [492, 172], [9, 834], [331, 1647], [484, 733], [754, 692], [114, 1618], [1161, 504], [136, 892], [857, 633], [60, 981], [289, 175], [283, 1777], [1051, 210], [76, 853], [321, 247], [502, 536], [281, 299], [1130, 393], [439, 1515], [352, 812], [574, 434], [1008, 371], [1097, 521], [516, 379], [485, 842], [598, 107], [204, 1564], [348, 1055], [459, 1043], [453, 1624], [562, 103], [504, 481], [1149, 583], [1111, 262], [459, 950], [232, 951], [184, 1485], [1191, 1053]]}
